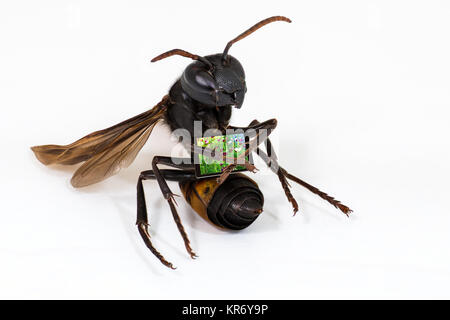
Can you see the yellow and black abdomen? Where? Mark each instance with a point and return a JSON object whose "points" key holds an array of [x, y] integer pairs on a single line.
{"points": [[234, 204]]}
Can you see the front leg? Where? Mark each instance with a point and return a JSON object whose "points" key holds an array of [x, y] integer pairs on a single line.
{"points": [[271, 161], [270, 158], [259, 128]]}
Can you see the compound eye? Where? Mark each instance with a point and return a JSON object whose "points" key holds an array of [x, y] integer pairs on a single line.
{"points": [[199, 84], [205, 81]]}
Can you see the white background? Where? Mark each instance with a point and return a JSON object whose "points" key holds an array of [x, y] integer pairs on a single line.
{"points": [[361, 91]]}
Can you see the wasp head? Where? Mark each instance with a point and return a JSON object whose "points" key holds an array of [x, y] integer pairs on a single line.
{"points": [[216, 85], [216, 80]]}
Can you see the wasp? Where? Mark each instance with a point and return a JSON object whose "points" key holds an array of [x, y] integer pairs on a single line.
{"points": [[207, 91]]}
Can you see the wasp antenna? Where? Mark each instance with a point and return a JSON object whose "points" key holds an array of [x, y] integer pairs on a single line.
{"points": [[183, 53], [173, 52], [251, 30]]}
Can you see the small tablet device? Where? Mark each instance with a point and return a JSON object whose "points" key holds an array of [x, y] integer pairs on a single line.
{"points": [[227, 146]]}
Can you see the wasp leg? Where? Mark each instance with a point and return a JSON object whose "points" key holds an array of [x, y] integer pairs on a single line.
{"points": [[334, 202], [269, 125], [178, 163], [271, 160], [259, 128], [195, 150], [142, 217]]}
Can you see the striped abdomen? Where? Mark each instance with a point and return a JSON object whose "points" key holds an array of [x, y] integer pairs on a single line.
{"points": [[234, 204]]}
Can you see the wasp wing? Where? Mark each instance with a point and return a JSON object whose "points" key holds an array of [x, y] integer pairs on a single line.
{"points": [[120, 154], [105, 151]]}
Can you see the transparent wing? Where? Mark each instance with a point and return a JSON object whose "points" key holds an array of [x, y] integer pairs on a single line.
{"points": [[105, 151], [119, 155]]}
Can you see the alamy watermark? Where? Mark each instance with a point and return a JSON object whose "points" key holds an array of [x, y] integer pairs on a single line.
{"points": [[211, 146]]}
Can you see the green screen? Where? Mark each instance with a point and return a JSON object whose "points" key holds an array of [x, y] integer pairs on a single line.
{"points": [[233, 145]]}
